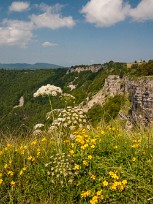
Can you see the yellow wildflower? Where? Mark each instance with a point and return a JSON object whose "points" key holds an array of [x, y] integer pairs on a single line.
{"points": [[121, 188], [135, 146], [124, 182], [99, 193], [94, 200], [85, 194], [43, 139], [38, 152], [1, 181], [76, 167], [113, 128], [92, 146], [71, 152], [86, 145], [10, 173], [33, 159], [85, 163], [113, 187], [33, 142], [93, 177], [0, 174], [66, 141], [82, 147], [12, 183], [114, 176], [21, 172], [1, 152], [134, 159], [93, 141], [9, 145], [5, 166], [22, 152], [24, 168], [105, 183], [30, 158], [89, 157]]}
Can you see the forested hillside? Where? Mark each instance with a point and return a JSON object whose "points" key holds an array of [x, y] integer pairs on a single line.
{"points": [[14, 84]]}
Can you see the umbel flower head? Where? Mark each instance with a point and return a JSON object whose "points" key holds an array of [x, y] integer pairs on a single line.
{"points": [[48, 90]]}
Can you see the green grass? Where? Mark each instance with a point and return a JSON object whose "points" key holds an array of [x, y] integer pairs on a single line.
{"points": [[103, 165]]}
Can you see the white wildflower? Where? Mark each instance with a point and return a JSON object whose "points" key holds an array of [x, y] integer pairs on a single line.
{"points": [[72, 137], [49, 90], [80, 126], [37, 132], [38, 126], [88, 127]]}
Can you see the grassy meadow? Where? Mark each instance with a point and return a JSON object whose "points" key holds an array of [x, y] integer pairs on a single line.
{"points": [[102, 165]]}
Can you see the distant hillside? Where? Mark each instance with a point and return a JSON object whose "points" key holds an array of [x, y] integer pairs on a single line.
{"points": [[20, 66]]}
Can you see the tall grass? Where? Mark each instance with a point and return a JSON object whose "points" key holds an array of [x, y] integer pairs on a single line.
{"points": [[102, 165]]}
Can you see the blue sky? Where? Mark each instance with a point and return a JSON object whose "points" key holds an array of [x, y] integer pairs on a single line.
{"points": [[76, 31]]}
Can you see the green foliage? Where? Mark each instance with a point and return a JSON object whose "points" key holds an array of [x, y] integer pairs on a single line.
{"points": [[141, 69], [14, 84], [107, 112], [146, 69]]}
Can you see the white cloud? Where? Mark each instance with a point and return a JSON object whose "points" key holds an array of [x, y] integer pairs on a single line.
{"points": [[143, 11], [14, 32], [19, 6], [49, 44], [106, 12], [51, 18]]}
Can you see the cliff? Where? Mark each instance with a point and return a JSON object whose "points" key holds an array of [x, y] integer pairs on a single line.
{"points": [[140, 91], [81, 68], [141, 97]]}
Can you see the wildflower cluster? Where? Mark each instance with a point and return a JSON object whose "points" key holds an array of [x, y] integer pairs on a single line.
{"points": [[94, 197], [48, 90], [16, 160], [70, 118], [38, 129], [116, 183], [60, 170]]}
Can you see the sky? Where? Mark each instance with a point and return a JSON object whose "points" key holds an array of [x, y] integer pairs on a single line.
{"points": [[73, 32]]}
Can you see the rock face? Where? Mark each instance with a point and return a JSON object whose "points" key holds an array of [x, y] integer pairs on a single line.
{"points": [[111, 88], [21, 102], [93, 68], [140, 92], [141, 97]]}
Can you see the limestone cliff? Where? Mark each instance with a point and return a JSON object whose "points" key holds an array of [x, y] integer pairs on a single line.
{"points": [[140, 92], [80, 68], [141, 97]]}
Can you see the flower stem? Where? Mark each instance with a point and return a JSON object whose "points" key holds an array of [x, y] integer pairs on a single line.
{"points": [[50, 102]]}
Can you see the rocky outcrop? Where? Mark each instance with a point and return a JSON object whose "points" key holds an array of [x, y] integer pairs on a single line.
{"points": [[140, 92], [21, 102], [141, 97], [81, 68], [111, 88]]}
